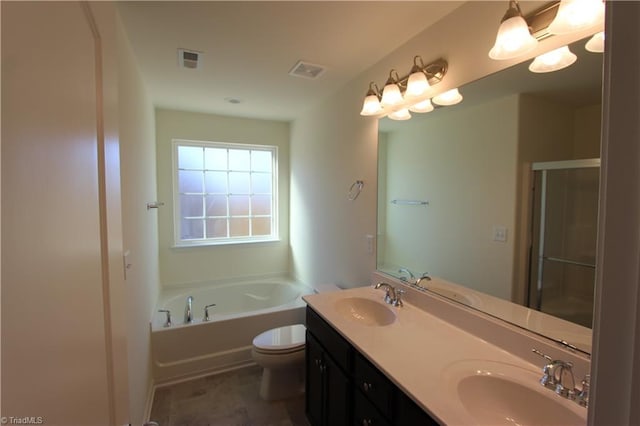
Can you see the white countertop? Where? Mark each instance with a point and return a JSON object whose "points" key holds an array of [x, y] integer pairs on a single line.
{"points": [[420, 352]]}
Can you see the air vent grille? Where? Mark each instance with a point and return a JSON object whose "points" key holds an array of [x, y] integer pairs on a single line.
{"points": [[189, 58], [307, 70]]}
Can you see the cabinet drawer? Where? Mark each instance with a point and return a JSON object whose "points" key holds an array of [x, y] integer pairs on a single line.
{"points": [[409, 413], [373, 384], [365, 413], [339, 349]]}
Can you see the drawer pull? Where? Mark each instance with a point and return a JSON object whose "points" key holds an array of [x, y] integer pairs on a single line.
{"points": [[367, 386], [366, 422]]}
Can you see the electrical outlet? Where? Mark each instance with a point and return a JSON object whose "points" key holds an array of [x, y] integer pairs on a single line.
{"points": [[500, 234], [370, 243]]}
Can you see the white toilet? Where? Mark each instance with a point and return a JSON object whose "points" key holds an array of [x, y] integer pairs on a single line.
{"points": [[280, 352]]}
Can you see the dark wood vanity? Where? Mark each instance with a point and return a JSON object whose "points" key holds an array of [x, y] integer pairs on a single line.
{"points": [[344, 388]]}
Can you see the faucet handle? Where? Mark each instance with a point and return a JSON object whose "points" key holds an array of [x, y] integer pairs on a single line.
{"points": [[582, 397], [168, 312], [206, 311], [565, 380], [398, 300]]}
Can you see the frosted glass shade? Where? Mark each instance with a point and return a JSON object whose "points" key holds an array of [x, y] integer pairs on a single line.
{"points": [[391, 95], [553, 61], [513, 39], [401, 114], [450, 97], [424, 106], [371, 106], [417, 85], [596, 43], [576, 15]]}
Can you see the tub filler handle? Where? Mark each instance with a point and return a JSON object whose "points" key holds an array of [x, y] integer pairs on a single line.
{"points": [[168, 312], [206, 311]]}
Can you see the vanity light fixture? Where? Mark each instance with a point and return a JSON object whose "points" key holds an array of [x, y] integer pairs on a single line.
{"points": [[450, 97], [596, 43], [576, 15], [403, 94], [514, 37], [554, 60]]}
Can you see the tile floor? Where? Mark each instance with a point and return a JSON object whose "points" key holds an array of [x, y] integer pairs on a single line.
{"points": [[226, 399]]}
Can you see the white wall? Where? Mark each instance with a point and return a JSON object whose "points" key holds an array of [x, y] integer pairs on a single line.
{"points": [[140, 226], [467, 173], [63, 339], [195, 264]]}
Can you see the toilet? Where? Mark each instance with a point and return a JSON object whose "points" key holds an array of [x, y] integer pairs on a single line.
{"points": [[280, 352]]}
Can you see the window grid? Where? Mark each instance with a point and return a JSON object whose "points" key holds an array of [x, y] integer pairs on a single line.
{"points": [[207, 235]]}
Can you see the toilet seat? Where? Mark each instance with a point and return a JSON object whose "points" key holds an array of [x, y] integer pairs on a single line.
{"points": [[281, 341]]}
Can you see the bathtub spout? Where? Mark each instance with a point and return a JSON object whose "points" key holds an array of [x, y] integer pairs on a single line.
{"points": [[188, 312]]}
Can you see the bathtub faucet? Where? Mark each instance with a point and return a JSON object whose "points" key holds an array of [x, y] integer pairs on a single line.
{"points": [[188, 312]]}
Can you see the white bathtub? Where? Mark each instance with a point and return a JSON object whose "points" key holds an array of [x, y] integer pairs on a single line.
{"points": [[243, 310]]}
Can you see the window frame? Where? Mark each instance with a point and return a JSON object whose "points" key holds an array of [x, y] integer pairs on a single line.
{"points": [[178, 242]]}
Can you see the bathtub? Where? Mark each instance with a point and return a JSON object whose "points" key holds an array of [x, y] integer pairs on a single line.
{"points": [[243, 310]]}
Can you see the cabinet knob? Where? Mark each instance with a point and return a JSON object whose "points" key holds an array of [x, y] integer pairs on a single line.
{"points": [[366, 422], [367, 386]]}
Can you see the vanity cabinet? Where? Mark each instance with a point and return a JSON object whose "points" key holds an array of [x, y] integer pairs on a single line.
{"points": [[344, 388]]}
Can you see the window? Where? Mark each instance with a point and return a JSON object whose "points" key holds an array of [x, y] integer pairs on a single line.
{"points": [[224, 193]]}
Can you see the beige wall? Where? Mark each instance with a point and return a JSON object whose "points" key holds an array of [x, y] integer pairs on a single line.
{"points": [[195, 264], [587, 130], [467, 174], [140, 226]]}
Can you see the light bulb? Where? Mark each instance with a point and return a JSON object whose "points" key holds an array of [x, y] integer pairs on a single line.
{"points": [[596, 43], [371, 106], [513, 39], [401, 114], [553, 61], [450, 97], [417, 85], [576, 15], [424, 106], [391, 95]]}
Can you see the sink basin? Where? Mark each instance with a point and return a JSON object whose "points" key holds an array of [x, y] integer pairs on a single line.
{"points": [[494, 393], [365, 311]]}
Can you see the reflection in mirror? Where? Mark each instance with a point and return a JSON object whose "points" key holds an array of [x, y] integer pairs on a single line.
{"points": [[460, 197]]}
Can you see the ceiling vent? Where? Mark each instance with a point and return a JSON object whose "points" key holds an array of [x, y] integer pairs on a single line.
{"points": [[189, 59], [307, 70]]}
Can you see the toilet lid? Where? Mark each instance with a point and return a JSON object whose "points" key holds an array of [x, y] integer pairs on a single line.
{"points": [[283, 339]]}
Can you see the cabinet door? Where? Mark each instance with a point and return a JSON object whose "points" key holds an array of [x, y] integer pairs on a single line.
{"points": [[337, 393], [314, 401]]}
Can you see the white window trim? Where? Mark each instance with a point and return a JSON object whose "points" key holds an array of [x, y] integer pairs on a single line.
{"points": [[177, 241]]}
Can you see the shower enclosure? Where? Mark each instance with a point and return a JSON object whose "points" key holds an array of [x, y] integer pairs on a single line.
{"points": [[564, 229]]}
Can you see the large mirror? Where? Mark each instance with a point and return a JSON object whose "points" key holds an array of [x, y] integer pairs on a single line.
{"points": [[496, 197]]}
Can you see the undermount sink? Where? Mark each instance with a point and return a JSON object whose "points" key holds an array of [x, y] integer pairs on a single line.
{"points": [[494, 393], [365, 311]]}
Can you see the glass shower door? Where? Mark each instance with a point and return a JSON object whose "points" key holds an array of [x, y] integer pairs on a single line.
{"points": [[565, 216]]}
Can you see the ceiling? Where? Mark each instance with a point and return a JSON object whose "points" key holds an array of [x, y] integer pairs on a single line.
{"points": [[250, 47]]}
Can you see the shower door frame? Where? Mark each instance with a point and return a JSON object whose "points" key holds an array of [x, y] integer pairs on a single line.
{"points": [[544, 167]]}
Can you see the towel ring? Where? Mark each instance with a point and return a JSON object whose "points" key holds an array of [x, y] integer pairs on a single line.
{"points": [[355, 190]]}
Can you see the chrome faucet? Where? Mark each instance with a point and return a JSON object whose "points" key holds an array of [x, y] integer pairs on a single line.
{"points": [[557, 375], [424, 277], [188, 312], [392, 295], [411, 278]]}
